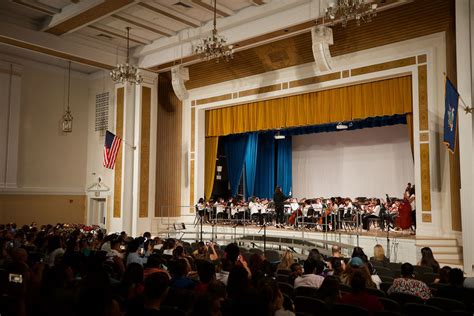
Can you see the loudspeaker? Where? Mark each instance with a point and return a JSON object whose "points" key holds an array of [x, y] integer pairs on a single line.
{"points": [[322, 37], [179, 75]]}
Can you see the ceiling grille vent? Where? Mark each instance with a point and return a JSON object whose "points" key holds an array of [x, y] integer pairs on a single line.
{"points": [[101, 111]]}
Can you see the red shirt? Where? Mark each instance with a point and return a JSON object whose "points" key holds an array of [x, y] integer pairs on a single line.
{"points": [[364, 300]]}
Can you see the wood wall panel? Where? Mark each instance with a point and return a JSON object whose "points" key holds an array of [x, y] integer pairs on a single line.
{"points": [[168, 150], [425, 177], [384, 66], [315, 79], [412, 20], [118, 161], [145, 152], [426, 217], [42, 209], [423, 97], [193, 129]]}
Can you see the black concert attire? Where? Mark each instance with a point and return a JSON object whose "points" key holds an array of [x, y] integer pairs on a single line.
{"points": [[279, 199]]}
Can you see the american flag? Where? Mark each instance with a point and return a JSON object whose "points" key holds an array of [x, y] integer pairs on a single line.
{"points": [[111, 148]]}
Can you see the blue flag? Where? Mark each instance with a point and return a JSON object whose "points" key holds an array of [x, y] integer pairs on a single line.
{"points": [[450, 115]]}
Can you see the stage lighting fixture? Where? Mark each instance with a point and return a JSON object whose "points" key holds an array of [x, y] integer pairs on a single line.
{"points": [[279, 136], [341, 125]]}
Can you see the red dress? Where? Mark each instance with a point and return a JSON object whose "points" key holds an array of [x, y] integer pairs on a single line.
{"points": [[404, 215]]}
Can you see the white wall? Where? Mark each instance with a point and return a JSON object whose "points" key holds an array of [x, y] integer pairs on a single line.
{"points": [[368, 162], [49, 161]]}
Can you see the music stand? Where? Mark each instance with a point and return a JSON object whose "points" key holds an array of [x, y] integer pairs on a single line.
{"points": [[179, 229], [264, 227]]}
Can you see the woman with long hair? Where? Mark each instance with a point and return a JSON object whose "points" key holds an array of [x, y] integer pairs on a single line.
{"points": [[287, 260], [379, 256], [428, 260]]}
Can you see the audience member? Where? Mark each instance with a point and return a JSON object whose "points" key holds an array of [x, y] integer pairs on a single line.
{"points": [[311, 277], [359, 295], [408, 285], [428, 260], [379, 256]]}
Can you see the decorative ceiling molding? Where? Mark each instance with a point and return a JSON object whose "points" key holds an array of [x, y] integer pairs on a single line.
{"points": [[158, 10], [38, 6], [210, 8], [144, 24], [118, 33], [76, 16], [51, 52]]}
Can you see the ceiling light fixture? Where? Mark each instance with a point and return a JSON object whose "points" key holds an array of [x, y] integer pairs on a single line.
{"points": [[359, 10], [126, 72], [66, 120], [214, 46]]}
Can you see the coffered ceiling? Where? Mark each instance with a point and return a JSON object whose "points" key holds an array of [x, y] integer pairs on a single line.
{"points": [[163, 32]]}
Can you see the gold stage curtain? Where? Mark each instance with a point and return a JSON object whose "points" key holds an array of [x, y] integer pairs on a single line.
{"points": [[372, 99], [210, 165]]}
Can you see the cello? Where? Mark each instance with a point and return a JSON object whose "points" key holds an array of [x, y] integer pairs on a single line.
{"points": [[296, 213]]}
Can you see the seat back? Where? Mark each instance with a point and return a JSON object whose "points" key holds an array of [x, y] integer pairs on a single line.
{"points": [[306, 291], [346, 309], [309, 305], [376, 292], [287, 289], [417, 309], [390, 305], [446, 304], [404, 298]]}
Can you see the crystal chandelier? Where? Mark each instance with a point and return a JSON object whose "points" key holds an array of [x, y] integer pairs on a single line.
{"points": [[66, 120], [347, 10], [126, 72], [214, 46]]}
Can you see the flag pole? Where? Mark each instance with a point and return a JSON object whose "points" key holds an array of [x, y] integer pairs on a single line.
{"points": [[132, 147]]}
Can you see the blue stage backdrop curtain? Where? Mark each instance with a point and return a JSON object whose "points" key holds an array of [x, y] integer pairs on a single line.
{"points": [[251, 164], [265, 175], [235, 148], [284, 165]]}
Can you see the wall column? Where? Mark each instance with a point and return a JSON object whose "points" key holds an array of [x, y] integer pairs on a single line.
{"points": [[464, 56]]}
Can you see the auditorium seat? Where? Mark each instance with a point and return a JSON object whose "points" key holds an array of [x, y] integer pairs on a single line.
{"points": [[429, 277], [346, 309], [284, 278], [446, 304], [417, 309], [376, 292], [385, 272], [384, 286], [310, 306], [403, 298], [287, 289], [390, 305], [306, 291]]}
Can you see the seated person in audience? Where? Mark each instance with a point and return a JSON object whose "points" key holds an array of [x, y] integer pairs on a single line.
{"points": [[311, 277], [296, 270], [133, 255], [203, 253], [207, 273], [408, 285], [231, 259], [356, 264], [154, 264], [428, 260], [335, 267], [443, 275], [287, 260], [329, 291], [269, 292], [379, 256], [179, 275], [359, 296], [156, 288]]}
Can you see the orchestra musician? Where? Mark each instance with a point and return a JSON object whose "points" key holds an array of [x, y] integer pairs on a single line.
{"points": [[279, 200]]}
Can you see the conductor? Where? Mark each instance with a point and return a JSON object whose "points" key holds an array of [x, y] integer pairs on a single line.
{"points": [[279, 199]]}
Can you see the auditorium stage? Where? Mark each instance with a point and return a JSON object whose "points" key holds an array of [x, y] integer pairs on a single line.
{"points": [[402, 245]]}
